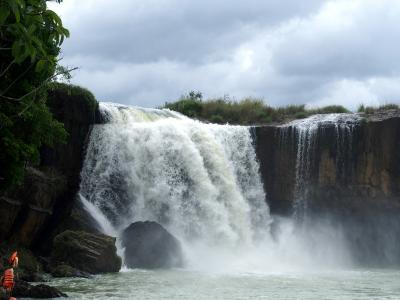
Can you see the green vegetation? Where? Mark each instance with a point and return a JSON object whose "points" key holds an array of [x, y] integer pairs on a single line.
{"points": [[30, 40], [73, 90], [247, 111], [371, 109]]}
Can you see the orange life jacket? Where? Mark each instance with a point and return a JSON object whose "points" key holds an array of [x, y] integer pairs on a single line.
{"points": [[13, 260], [8, 279]]}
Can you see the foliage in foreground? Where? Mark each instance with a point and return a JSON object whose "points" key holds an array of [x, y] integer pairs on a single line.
{"points": [[248, 111], [30, 40]]}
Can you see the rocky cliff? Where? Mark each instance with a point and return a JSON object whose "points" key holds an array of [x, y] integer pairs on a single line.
{"points": [[340, 167], [346, 168], [31, 213]]}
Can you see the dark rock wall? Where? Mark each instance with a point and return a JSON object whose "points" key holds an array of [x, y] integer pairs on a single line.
{"points": [[76, 108], [277, 167], [30, 214], [353, 178], [345, 173]]}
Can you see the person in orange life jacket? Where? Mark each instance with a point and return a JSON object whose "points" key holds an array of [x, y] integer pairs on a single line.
{"points": [[7, 280]]}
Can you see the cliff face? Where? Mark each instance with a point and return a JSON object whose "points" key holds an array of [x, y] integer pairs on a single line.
{"points": [[346, 170], [31, 213]]}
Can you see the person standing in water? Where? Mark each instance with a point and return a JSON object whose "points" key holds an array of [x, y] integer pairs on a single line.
{"points": [[7, 280]]}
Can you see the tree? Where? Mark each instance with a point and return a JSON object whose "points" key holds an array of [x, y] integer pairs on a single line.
{"points": [[30, 40]]}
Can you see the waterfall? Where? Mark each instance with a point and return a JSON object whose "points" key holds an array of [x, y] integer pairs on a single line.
{"points": [[200, 181], [305, 133]]}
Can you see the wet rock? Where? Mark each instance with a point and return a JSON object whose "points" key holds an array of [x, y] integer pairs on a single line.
{"points": [[80, 219], [64, 270], [25, 290], [351, 176], [353, 168], [382, 115], [30, 214], [76, 108], [30, 205], [88, 252], [34, 277], [148, 245]]}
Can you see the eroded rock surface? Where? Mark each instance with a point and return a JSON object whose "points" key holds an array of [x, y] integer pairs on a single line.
{"points": [[148, 245], [350, 175], [24, 289], [87, 252]]}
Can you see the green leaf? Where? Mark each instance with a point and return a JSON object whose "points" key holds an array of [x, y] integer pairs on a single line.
{"points": [[16, 49], [14, 7], [33, 53], [31, 29], [4, 13], [52, 15], [21, 3], [40, 65], [66, 32]]}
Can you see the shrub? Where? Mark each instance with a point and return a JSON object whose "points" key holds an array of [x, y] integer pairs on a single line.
{"points": [[250, 111], [370, 109]]}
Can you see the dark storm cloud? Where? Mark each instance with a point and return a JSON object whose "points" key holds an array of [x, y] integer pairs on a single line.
{"points": [[287, 51]]}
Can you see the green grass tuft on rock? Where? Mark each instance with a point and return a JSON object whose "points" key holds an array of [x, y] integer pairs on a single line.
{"points": [[247, 111]]}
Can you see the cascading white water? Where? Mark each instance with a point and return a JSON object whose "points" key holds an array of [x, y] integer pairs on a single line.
{"points": [[201, 182], [306, 131]]}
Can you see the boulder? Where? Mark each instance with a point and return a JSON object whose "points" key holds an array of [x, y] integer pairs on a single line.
{"points": [[88, 252], [148, 245], [23, 289]]}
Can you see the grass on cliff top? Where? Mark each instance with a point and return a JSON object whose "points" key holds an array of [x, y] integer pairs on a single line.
{"points": [[75, 91], [371, 109], [248, 111]]}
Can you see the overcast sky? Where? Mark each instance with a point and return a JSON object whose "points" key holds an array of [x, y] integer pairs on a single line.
{"points": [[146, 52]]}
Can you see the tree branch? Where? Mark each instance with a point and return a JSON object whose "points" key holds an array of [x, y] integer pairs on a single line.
{"points": [[16, 79], [38, 87], [8, 67]]}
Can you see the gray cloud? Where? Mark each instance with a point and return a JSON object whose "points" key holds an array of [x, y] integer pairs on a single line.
{"points": [[348, 39], [288, 51], [193, 31]]}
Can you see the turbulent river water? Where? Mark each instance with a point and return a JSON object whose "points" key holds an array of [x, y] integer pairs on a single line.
{"points": [[186, 284], [202, 183]]}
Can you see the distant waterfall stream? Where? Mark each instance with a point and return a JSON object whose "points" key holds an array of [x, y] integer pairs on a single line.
{"points": [[306, 135]]}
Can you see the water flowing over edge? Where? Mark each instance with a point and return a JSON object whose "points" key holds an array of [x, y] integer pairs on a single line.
{"points": [[306, 134], [200, 181]]}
